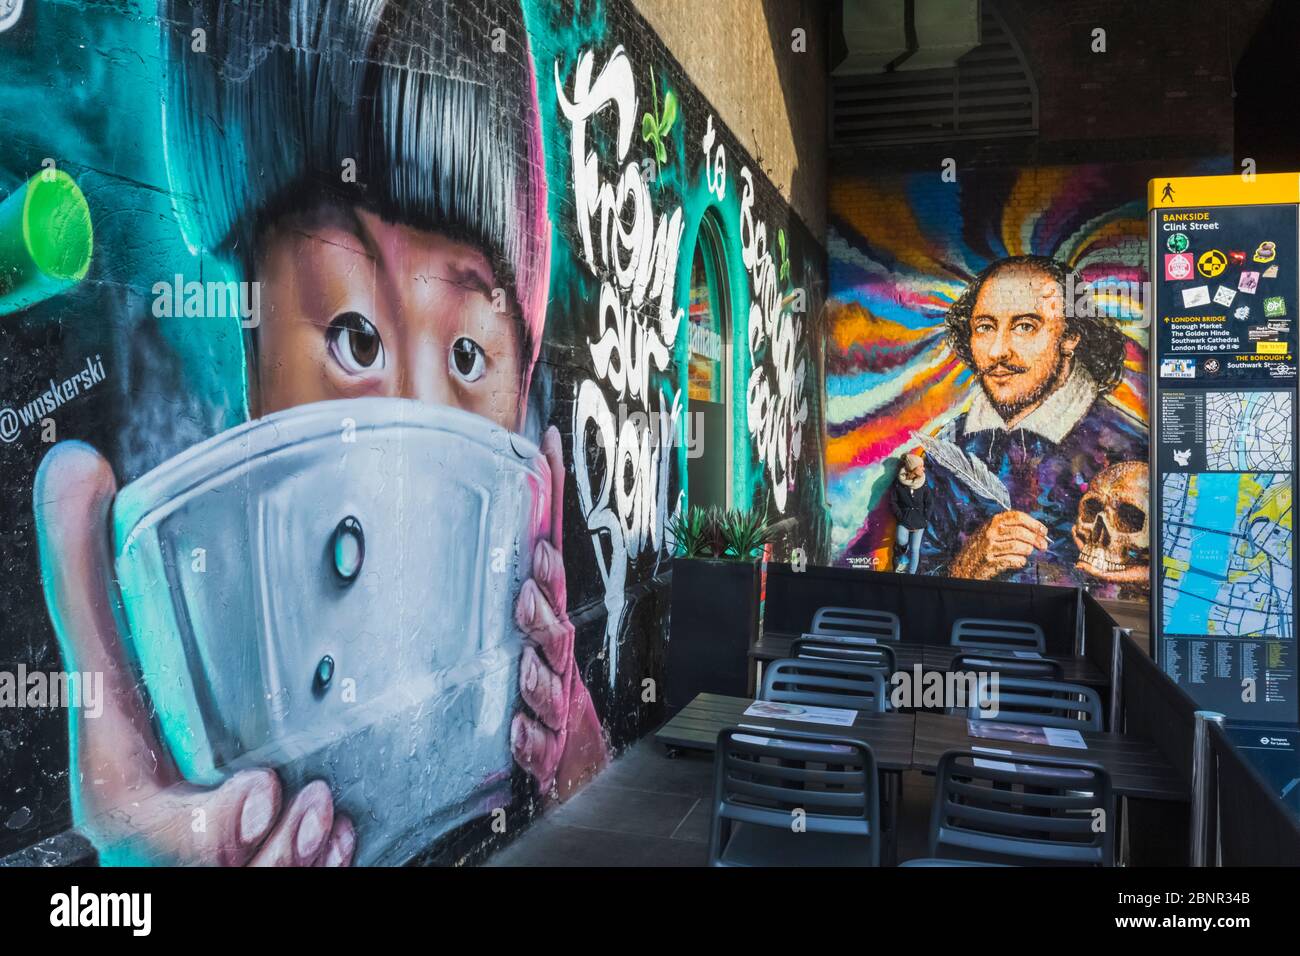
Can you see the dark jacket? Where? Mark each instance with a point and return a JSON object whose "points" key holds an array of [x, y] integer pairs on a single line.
{"points": [[911, 508]]}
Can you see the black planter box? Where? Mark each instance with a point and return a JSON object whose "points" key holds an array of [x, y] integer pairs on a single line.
{"points": [[714, 621]]}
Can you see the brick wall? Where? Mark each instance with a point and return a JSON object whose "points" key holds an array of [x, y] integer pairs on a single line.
{"points": [[1162, 90], [767, 82]]}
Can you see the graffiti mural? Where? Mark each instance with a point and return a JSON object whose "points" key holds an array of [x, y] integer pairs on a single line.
{"points": [[994, 326], [777, 401], [347, 392], [634, 336]]}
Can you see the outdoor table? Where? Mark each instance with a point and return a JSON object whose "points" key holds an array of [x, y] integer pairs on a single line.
{"points": [[772, 646], [696, 726], [1074, 670], [1137, 769], [889, 735]]}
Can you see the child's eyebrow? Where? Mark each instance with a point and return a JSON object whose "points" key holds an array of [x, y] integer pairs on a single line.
{"points": [[467, 277], [320, 217]]}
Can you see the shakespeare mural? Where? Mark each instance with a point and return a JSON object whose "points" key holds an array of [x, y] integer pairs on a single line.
{"points": [[993, 326], [367, 395]]}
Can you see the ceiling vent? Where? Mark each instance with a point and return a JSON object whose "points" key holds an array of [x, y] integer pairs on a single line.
{"points": [[953, 72]]}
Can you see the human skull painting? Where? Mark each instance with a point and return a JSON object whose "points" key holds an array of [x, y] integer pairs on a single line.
{"points": [[1113, 530]]}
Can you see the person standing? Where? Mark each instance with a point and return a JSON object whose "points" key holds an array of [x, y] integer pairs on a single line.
{"points": [[911, 501]]}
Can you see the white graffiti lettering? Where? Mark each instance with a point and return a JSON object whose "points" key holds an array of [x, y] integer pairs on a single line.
{"points": [[777, 403], [715, 163], [622, 470]]}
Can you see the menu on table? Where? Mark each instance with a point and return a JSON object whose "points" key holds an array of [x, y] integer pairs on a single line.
{"points": [[839, 639], [799, 744], [1067, 772], [803, 713], [1026, 734]]}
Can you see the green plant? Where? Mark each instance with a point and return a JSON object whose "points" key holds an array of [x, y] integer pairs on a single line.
{"points": [[738, 534], [693, 533], [744, 532], [717, 540]]}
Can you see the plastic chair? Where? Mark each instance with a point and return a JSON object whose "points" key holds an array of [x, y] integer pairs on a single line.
{"points": [[1042, 703], [879, 657], [856, 622], [982, 633], [1040, 811], [764, 785], [825, 684], [1010, 666]]}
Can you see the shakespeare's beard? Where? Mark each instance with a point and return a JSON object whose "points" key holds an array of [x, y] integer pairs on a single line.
{"points": [[1012, 388]]}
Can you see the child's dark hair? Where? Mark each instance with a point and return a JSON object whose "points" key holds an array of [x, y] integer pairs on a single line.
{"points": [[275, 101]]}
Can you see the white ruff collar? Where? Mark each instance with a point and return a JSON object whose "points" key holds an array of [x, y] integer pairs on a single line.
{"points": [[1054, 418]]}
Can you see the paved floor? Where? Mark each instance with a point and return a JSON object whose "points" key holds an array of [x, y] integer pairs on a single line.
{"points": [[650, 810]]}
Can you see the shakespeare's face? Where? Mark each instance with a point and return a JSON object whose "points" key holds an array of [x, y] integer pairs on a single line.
{"points": [[1019, 339], [353, 306]]}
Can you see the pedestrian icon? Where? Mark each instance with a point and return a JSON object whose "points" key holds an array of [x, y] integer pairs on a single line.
{"points": [[1168, 194]]}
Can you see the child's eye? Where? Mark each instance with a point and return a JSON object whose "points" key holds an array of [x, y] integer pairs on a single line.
{"points": [[467, 359], [355, 343]]}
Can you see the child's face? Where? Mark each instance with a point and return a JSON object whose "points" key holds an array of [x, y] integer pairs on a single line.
{"points": [[353, 306]]}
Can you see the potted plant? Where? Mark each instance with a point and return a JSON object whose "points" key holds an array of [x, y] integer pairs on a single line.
{"points": [[715, 595]]}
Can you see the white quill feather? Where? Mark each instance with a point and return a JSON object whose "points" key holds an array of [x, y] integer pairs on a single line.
{"points": [[968, 469]]}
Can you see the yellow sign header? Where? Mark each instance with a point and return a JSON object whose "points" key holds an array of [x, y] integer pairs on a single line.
{"points": [[1263, 189]]}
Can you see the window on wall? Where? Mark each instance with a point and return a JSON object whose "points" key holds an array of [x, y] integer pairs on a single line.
{"points": [[709, 426], [708, 318]]}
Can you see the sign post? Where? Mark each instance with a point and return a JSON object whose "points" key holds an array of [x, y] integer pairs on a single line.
{"points": [[1225, 263]]}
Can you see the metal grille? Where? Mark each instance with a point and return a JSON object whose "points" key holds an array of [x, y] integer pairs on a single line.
{"points": [[989, 93]]}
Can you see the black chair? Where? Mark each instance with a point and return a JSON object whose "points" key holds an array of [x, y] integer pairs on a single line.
{"points": [[1019, 809], [1010, 666], [825, 684], [1041, 703], [879, 657], [793, 800], [982, 633], [856, 622]]}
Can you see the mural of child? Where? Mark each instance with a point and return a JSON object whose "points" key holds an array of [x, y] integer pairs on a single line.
{"points": [[911, 502], [423, 276]]}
